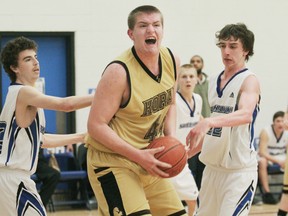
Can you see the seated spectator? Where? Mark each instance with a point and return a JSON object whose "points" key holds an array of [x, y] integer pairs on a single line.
{"points": [[48, 176], [272, 150]]}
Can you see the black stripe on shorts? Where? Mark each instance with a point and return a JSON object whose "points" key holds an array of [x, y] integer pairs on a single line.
{"points": [[112, 194]]}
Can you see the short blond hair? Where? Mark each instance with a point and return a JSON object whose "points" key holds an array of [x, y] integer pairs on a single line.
{"points": [[186, 67]]}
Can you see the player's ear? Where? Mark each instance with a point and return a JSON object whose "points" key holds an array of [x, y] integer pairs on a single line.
{"points": [[13, 68], [130, 34]]}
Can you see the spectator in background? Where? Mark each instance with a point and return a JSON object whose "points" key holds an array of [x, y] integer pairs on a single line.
{"points": [[272, 150], [201, 88], [48, 176]]}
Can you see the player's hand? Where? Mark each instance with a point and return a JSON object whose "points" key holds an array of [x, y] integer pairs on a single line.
{"points": [[151, 164], [194, 139]]}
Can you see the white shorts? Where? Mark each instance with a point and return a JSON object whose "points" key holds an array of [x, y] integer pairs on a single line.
{"points": [[19, 195], [185, 185], [226, 193]]}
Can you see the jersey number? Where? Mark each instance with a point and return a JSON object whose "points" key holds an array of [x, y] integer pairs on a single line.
{"points": [[215, 132]]}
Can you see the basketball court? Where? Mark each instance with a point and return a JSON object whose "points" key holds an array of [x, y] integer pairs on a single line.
{"points": [[263, 210]]}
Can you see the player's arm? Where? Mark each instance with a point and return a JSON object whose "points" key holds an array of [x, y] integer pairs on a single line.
{"points": [[55, 140], [29, 96], [170, 120], [112, 91], [248, 99]]}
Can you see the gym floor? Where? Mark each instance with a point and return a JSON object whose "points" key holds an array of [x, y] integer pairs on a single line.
{"points": [[263, 210]]}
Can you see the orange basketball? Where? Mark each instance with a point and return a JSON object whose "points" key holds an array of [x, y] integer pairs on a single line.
{"points": [[174, 154]]}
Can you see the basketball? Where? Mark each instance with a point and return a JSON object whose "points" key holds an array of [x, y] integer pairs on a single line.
{"points": [[174, 154]]}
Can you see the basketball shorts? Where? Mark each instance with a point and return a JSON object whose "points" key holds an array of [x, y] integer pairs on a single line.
{"points": [[185, 185], [122, 187], [19, 195], [226, 193]]}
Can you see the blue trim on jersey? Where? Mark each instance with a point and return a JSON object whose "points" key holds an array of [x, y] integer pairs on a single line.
{"points": [[26, 199], [245, 200], [31, 133], [12, 134], [218, 89], [191, 110], [255, 113]]}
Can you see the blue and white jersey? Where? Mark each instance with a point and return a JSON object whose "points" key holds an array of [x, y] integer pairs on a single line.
{"points": [[19, 147], [187, 118], [229, 147], [276, 146]]}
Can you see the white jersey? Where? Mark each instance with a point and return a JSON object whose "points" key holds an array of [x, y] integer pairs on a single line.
{"points": [[19, 147], [276, 146], [229, 147], [187, 117]]}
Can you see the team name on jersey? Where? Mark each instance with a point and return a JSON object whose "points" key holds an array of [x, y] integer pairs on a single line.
{"points": [[158, 102], [187, 125], [221, 109]]}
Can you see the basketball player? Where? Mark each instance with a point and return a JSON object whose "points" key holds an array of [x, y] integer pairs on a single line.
{"points": [[189, 106], [272, 150], [22, 127], [230, 176], [134, 103]]}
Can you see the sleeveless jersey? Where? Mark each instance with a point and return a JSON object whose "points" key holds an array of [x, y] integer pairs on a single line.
{"points": [[276, 146], [229, 147], [187, 118], [19, 147], [141, 119]]}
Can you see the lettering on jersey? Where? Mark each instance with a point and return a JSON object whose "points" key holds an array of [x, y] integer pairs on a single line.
{"points": [[187, 125], [2, 132], [156, 103], [221, 109]]}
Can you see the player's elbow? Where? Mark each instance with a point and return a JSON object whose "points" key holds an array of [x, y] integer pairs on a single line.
{"points": [[247, 117]]}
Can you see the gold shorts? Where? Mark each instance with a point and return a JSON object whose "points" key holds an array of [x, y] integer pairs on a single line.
{"points": [[122, 187]]}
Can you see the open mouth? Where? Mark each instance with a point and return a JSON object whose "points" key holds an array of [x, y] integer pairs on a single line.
{"points": [[150, 41]]}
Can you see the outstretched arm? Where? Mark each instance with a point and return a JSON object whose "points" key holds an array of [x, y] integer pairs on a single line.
{"points": [[249, 98], [55, 140], [29, 96]]}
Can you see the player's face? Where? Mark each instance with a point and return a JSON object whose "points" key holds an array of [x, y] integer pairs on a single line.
{"points": [[279, 123], [147, 33], [28, 69], [197, 63], [187, 80], [232, 52]]}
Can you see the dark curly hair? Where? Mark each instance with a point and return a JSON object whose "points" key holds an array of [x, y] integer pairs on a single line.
{"points": [[10, 53], [241, 32]]}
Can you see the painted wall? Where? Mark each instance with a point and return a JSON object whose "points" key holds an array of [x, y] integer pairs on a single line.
{"points": [[100, 28]]}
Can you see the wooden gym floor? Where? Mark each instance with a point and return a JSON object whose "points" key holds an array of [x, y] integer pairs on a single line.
{"points": [[263, 210]]}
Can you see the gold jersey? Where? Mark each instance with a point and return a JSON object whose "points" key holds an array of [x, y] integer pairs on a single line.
{"points": [[142, 118]]}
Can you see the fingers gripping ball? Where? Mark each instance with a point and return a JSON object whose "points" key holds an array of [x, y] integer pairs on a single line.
{"points": [[174, 154]]}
